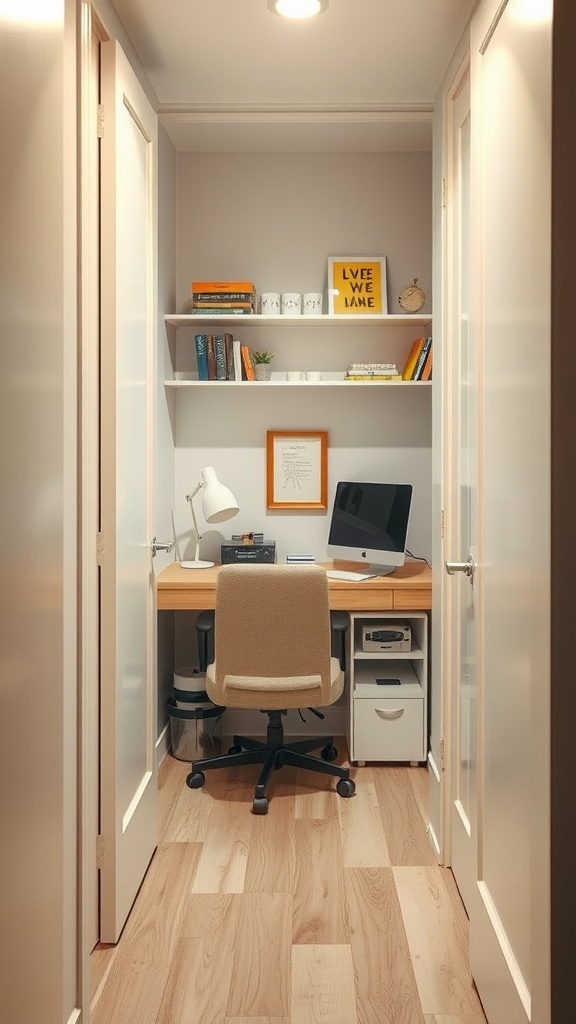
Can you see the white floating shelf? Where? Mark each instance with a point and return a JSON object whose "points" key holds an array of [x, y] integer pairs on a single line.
{"points": [[323, 320], [297, 383]]}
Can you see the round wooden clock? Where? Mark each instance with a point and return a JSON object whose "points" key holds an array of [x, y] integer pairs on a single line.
{"points": [[412, 298]]}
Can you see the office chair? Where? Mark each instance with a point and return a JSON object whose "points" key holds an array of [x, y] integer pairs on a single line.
{"points": [[273, 652]]}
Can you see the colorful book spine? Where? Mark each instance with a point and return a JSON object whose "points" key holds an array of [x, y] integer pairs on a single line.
{"points": [[202, 357], [211, 355], [237, 353], [218, 311], [218, 297], [247, 363], [427, 371], [417, 372], [222, 305], [373, 377], [222, 286], [229, 349], [412, 359], [216, 303], [220, 356]]}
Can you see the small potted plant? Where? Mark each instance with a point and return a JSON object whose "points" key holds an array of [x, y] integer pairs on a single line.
{"points": [[262, 360]]}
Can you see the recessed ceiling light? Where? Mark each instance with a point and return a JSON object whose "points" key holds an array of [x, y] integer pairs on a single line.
{"points": [[297, 8]]}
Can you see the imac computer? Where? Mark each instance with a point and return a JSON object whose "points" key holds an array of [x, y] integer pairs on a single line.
{"points": [[370, 524]]}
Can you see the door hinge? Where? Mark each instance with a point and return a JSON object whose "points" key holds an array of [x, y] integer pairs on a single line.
{"points": [[443, 193], [100, 121], [442, 765], [100, 549], [100, 851], [442, 524]]}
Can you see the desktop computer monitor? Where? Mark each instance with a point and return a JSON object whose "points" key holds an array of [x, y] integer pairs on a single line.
{"points": [[370, 523]]}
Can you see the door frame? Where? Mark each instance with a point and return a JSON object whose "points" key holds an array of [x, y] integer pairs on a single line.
{"points": [[450, 411], [440, 752], [91, 34]]}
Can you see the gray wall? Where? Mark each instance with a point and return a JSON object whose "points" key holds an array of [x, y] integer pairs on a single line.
{"points": [[274, 218]]}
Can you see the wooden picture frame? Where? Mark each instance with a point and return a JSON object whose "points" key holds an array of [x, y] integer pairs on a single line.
{"points": [[297, 469], [357, 285]]}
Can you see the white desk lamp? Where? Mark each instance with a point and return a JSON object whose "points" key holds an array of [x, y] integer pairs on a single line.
{"points": [[218, 505]]}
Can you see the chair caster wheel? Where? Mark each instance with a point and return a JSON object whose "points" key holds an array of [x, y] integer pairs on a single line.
{"points": [[329, 753], [345, 787], [196, 780], [260, 805], [235, 749]]}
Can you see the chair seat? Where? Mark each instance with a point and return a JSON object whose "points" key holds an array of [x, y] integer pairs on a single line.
{"points": [[267, 693]]}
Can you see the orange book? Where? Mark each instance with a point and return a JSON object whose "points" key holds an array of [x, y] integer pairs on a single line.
{"points": [[410, 364], [247, 363], [427, 371], [222, 286]]}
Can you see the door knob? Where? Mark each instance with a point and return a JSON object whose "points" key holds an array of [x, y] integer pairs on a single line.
{"points": [[158, 545], [468, 567]]}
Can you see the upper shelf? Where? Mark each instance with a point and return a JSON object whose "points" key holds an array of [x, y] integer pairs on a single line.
{"points": [[323, 320]]}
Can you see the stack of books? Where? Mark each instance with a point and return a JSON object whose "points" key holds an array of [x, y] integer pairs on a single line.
{"points": [[373, 372], [418, 365], [215, 298]]}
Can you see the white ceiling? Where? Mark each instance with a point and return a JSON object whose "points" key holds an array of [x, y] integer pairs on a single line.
{"points": [[339, 81]]}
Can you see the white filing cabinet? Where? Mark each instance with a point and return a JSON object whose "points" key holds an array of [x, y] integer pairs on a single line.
{"points": [[388, 690]]}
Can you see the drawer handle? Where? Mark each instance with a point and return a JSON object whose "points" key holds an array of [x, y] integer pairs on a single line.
{"points": [[389, 712]]}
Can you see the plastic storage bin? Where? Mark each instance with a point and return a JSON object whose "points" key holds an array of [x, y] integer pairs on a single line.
{"points": [[195, 722]]}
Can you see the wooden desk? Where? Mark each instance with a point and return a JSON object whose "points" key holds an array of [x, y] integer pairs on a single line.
{"points": [[409, 588]]}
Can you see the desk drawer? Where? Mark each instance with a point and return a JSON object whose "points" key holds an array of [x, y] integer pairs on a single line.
{"points": [[388, 729]]}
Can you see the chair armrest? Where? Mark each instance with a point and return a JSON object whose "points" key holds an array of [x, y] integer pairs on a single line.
{"points": [[339, 625]]}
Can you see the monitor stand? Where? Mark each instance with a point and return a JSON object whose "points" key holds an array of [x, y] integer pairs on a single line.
{"points": [[381, 570]]}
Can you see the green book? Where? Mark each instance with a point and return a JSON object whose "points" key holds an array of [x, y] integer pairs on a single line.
{"points": [[202, 357]]}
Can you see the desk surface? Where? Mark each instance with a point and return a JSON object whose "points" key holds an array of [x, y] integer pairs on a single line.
{"points": [[408, 588]]}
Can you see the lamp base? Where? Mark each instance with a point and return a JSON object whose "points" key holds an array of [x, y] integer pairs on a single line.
{"points": [[197, 564]]}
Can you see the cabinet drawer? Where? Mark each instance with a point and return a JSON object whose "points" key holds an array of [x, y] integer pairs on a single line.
{"points": [[388, 729]]}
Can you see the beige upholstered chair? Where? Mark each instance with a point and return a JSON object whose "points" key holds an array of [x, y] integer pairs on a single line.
{"points": [[273, 652]]}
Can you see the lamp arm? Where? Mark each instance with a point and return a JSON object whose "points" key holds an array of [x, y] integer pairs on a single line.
{"points": [[189, 498]]}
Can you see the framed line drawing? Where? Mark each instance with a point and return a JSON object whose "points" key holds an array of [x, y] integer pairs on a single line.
{"points": [[357, 285], [297, 469]]}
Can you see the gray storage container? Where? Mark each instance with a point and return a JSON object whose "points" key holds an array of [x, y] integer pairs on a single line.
{"points": [[195, 726]]}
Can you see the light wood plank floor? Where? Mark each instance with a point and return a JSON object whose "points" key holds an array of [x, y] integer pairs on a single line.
{"points": [[324, 911]]}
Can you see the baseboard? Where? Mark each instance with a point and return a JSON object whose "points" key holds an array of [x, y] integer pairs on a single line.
{"points": [[162, 744]]}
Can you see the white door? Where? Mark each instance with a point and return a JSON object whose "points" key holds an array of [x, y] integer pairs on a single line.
{"points": [[511, 61], [461, 462], [128, 231]]}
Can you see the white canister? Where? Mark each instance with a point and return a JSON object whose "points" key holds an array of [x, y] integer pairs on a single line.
{"points": [[312, 304], [270, 303], [291, 304]]}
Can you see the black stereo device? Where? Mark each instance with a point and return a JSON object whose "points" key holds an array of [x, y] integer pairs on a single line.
{"points": [[388, 636], [232, 553]]}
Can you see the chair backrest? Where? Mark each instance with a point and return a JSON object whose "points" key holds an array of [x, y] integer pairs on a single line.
{"points": [[272, 636]]}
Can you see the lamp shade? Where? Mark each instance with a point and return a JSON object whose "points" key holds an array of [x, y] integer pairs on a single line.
{"points": [[218, 502]]}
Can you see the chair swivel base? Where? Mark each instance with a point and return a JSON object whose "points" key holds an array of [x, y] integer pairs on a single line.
{"points": [[272, 755]]}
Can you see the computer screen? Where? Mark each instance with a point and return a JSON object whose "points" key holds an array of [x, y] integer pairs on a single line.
{"points": [[370, 524]]}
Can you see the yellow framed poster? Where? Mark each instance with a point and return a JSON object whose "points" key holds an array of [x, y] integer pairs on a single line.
{"points": [[357, 285]]}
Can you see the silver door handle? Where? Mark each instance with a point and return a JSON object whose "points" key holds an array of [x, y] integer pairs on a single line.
{"points": [[468, 567], [158, 545]]}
